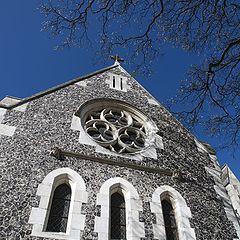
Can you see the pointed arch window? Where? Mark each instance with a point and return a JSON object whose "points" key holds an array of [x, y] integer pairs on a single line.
{"points": [[118, 217], [169, 220], [58, 216]]}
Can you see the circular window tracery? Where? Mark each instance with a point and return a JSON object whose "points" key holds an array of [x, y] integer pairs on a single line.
{"points": [[115, 126]]}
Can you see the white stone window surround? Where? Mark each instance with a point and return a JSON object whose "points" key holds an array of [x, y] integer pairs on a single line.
{"points": [[133, 204], [39, 216], [84, 138], [181, 210], [117, 82]]}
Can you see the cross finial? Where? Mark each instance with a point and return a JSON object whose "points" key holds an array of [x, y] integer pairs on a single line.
{"points": [[117, 59]]}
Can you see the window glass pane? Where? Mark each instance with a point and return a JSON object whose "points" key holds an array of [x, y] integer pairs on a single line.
{"points": [[118, 217], [169, 221], [58, 217]]}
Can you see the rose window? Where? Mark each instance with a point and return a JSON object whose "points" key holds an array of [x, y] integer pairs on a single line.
{"points": [[119, 128]]}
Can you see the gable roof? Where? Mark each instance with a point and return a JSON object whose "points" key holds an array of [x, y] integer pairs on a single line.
{"points": [[19, 102]]}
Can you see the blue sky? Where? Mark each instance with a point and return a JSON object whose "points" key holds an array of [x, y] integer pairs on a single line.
{"points": [[29, 64]]}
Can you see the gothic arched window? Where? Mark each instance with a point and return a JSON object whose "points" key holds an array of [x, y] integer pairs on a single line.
{"points": [[58, 216], [118, 217], [169, 220]]}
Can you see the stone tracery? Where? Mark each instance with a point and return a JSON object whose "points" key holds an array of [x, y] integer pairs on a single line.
{"points": [[116, 129]]}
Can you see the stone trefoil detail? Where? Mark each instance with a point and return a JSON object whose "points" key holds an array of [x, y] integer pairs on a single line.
{"points": [[117, 130]]}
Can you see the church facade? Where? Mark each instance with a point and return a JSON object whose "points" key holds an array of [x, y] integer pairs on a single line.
{"points": [[99, 158]]}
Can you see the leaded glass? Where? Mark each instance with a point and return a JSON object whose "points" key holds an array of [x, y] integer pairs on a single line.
{"points": [[118, 217], [169, 221], [58, 216]]}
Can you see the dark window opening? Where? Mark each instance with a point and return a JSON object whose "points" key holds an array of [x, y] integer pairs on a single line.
{"points": [[58, 216], [118, 217], [114, 82], [169, 221], [121, 84]]}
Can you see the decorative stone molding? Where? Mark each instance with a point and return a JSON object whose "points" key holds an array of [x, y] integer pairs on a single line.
{"points": [[76, 220], [182, 213], [88, 125], [57, 153], [135, 229], [61, 154], [115, 126]]}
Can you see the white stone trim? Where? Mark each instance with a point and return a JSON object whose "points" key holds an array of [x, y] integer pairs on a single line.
{"points": [[11, 101], [118, 80], [135, 229], [182, 213], [7, 130], [219, 188], [154, 140], [122, 69], [200, 146], [81, 83], [222, 193], [21, 108], [2, 113], [159, 142], [232, 186], [153, 101], [85, 139], [76, 220]]}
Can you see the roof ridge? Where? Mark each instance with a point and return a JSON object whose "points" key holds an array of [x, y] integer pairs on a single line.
{"points": [[53, 89]]}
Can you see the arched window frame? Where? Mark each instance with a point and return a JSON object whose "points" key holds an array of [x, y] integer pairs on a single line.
{"points": [[181, 210], [39, 216], [133, 204], [47, 224]]}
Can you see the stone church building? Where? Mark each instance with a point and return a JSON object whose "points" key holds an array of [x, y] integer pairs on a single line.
{"points": [[98, 158]]}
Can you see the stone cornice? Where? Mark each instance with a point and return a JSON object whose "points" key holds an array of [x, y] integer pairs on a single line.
{"points": [[60, 154]]}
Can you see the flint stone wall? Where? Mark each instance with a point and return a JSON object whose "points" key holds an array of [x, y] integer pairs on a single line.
{"points": [[46, 122]]}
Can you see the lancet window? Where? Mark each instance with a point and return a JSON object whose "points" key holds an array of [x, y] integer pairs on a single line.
{"points": [[120, 207], [118, 217], [58, 216], [172, 210], [169, 220], [59, 213]]}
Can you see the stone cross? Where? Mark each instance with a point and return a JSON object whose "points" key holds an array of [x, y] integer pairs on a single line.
{"points": [[117, 59]]}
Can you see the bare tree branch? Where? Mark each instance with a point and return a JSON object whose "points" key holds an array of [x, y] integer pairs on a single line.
{"points": [[211, 92]]}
